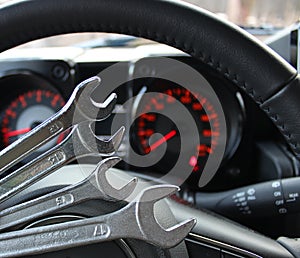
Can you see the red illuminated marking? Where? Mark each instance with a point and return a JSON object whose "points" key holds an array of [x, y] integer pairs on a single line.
{"points": [[204, 118], [146, 133], [214, 143], [215, 134], [4, 130], [14, 104], [216, 124], [23, 101], [186, 100], [203, 101], [11, 113], [193, 161], [203, 149], [207, 133], [141, 133], [197, 106], [210, 108], [196, 168], [177, 91], [157, 105], [54, 101], [16, 132], [169, 92], [213, 116], [141, 124], [164, 139], [38, 96], [187, 93], [170, 99], [149, 117], [147, 150]]}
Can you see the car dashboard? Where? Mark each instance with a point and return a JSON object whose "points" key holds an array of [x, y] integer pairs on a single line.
{"points": [[36, 83]]}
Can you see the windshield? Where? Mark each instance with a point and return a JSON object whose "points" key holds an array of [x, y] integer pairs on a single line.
{"points": [[265, 16], [254, 13]]}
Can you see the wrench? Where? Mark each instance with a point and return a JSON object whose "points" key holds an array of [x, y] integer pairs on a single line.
{"points": [[94, 186], [79, 101], [136, 220], [80, 142]]}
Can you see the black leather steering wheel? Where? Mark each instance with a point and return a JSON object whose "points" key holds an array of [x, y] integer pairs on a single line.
{"points": [[220, 46]]}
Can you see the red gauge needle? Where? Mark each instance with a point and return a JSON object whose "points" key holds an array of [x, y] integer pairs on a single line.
{"points": [[164, 139], [17, 132]]}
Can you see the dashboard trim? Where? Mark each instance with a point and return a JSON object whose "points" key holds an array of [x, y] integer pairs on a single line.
{"points": [[223, 245]]}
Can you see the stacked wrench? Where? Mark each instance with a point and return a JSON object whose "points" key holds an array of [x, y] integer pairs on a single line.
{"points": [[81, 138], [136, 220], [93, 187]]}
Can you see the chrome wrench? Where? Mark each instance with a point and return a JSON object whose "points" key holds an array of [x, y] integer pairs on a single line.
{"points": [[79, 143], [79, 102], [136, 220], [93, 187]]}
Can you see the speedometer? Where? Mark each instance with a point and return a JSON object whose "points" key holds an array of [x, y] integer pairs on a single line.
{"points": [[150, 123]]}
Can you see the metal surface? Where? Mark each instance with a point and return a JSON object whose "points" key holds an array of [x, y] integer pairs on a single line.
{"points": [[80, 103], [95, 186], [79, 143], [136, 220]]}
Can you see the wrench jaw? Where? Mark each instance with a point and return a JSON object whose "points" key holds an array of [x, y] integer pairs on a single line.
{"points": [[106, 187], [151, 230], [86, 107], [94, 144], [110, 146]]}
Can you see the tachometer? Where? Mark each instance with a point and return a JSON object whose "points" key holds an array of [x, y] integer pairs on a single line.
{"points": [[27, 111]]}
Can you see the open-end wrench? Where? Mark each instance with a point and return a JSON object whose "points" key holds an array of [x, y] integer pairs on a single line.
{"points": [[79, 143], [136, 220], [79, 102], [93, 187]]}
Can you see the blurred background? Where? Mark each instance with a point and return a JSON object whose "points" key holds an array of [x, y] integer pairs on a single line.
{"points": [[254, 13], [263, 14]]}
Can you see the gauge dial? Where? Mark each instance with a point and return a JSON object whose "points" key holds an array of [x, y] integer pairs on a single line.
{"points": [[26, 112], [149, 123]]}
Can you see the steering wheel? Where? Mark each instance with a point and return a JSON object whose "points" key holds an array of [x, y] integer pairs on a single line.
{"points": [[222, 47]]}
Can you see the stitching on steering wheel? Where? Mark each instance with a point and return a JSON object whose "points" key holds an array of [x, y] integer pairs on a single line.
{"points": [[184, 46], [275, 118]]}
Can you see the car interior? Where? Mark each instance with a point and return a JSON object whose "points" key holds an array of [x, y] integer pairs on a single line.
{"points": [[170, 132]]}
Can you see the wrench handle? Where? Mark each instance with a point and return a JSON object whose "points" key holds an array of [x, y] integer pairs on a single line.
{"points": [[34, 139], [37, 169], [31, 173], [55, 237], [34, 209], [50, 203]]}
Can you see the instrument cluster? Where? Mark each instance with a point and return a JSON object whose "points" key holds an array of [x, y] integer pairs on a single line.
{"points": [[33, 95]]}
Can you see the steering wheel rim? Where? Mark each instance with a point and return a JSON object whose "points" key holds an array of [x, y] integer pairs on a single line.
{"points": [[254, 68]]}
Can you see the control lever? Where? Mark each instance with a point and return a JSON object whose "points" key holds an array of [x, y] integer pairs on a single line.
{"points": [[278, 197]]}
